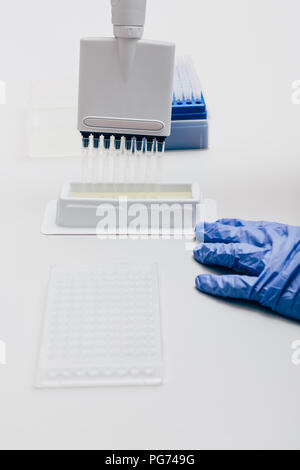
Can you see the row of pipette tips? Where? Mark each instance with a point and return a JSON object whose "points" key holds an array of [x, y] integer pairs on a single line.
{"points": [[130, 144], [187, 86], [120, 163]]}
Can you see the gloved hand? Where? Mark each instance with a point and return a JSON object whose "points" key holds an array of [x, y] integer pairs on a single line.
{"points": [[267, 256]]}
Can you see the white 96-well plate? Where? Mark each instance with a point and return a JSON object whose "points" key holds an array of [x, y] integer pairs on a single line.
{"points": [[102, 327]]}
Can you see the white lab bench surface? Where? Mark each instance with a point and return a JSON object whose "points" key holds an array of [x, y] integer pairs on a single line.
{"points": [[230, 380]]}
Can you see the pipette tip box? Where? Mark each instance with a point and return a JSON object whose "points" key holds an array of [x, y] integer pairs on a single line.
{"points": [[189, 129]]}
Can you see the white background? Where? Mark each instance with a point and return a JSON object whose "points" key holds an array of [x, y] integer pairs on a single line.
{"points": [[230, 379]]}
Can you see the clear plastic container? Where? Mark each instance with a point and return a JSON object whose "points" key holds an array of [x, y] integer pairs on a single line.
{"points": [[121, 208]]}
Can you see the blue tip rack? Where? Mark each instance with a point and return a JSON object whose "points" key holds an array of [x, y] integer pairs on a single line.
{"points": [[189, 115]]}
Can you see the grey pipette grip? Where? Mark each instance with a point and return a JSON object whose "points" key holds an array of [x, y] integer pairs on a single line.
{"points": [[128, 18]]}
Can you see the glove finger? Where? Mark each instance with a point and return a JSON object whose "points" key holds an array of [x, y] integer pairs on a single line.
{"points": [[243, 223], [232, 222], [231, 286], [240, 257], [219, 233]]}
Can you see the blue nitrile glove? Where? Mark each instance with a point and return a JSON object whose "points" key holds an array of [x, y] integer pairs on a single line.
{"points": [[267, 256]]}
